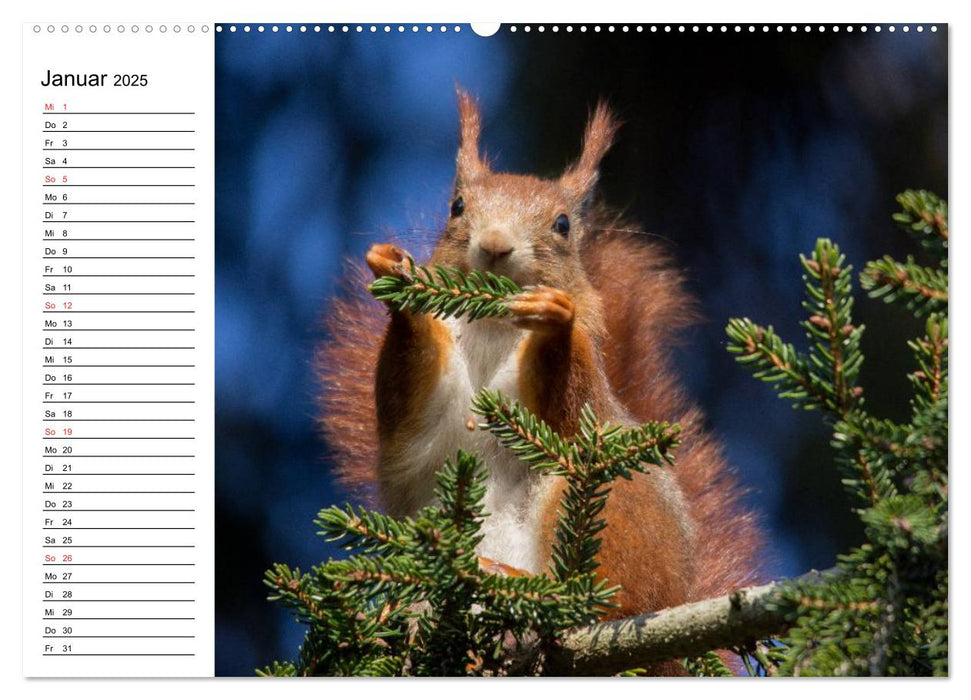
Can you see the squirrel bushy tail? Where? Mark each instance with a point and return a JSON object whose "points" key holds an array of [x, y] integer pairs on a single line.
{"points": [[646, 306], [354, 325]]}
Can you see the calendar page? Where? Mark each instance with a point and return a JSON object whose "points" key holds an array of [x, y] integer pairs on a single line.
{"points": [[118, 333], [448, 349]]}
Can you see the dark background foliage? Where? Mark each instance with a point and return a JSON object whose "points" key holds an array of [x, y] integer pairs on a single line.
{"points": [[739, 150]]}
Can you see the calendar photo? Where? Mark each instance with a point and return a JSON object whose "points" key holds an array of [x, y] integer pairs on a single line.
{"points": [[569, 218], [470, 350]]}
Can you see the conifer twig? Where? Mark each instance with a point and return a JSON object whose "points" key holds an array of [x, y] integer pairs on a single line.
{"points": [[445, 291], [688, 630]]}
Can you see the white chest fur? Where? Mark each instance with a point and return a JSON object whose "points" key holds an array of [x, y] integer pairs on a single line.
{"points": [[484, 355]]}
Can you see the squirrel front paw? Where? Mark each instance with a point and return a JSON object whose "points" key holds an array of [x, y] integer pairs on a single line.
{"points": [[385, 259], [543, 309]]}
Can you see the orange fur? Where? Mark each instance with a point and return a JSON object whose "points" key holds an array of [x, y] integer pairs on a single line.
{"points": [[639, 334], [345, 362], [602, 334]]}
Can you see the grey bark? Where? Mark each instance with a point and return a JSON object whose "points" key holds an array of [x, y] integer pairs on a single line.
{"points": [[688, 630]]}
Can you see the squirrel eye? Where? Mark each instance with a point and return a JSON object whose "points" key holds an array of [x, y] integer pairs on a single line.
{"points": [[562, 225], [458, 206]]}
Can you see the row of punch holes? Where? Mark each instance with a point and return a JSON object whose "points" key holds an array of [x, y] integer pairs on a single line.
{"points": [[121, 28], [428, 28], [667, 28]]}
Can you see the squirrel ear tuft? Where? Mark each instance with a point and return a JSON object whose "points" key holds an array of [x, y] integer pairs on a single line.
{"points": [[468, 164], [581, 177]]}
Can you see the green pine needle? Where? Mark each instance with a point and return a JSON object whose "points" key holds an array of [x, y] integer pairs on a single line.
{"points": [[920, 289], [884, 611], [445, 291], [709, 665], [411, 598], [924, 215]]}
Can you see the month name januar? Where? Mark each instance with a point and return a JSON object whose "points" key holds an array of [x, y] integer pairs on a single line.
{"points": [[74, 79]]}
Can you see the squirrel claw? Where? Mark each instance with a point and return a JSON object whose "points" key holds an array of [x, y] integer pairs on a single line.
{"points": [[542, 309], [385, 259], [491, 566]]}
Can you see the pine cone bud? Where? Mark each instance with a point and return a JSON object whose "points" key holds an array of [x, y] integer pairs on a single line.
{"points": [[821, 322]]}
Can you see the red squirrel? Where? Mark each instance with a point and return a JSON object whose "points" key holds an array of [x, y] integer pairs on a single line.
{"points": [[600, 309]]}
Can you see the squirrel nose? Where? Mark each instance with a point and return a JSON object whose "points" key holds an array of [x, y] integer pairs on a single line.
{"points": [[496, 244]]}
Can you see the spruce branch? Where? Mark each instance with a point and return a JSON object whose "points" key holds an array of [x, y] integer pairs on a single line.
{"points": [[708, 665], [461, 490], [824, 378], [924, 215], [920, 289], [775, 362], [868, 618], [834, 355], [589, 463], [528, 437], [415, 599], [688, 630], [930, 354], [445, 292], [361, 529]]}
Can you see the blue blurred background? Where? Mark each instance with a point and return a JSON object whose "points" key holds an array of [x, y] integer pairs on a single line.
{"points": [[738, 149]]}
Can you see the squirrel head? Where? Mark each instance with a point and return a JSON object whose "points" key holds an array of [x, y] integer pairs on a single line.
{"points": [[524, 227]]}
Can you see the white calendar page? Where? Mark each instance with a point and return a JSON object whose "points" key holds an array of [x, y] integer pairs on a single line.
{"points": [[126, 331], [118, 349]]}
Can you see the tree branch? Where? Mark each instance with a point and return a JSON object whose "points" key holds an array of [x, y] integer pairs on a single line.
{"points": [[608, 648]]}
